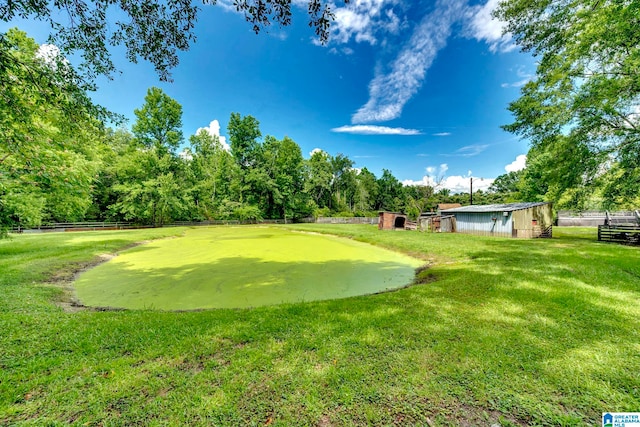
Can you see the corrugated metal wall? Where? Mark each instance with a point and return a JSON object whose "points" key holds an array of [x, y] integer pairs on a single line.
{"points": [[524, 223], [482, 223]]}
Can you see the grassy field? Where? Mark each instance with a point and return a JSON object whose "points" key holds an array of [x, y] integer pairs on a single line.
{"points": [[509, 332], [241, 267]]}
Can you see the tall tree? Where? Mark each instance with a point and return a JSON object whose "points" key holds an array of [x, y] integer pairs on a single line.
{"points": [[244, 134], [214, 173], [367, 191], [159, 122], [390, 192], [506, 183], [418, 199], [621, 182], [284, 167], [150, 175], [49, 134], [246, 149], [318, 177], [343, 182], [117, 143], [583, 107]]}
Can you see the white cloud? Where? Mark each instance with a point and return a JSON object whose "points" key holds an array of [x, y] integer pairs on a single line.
{"points": [[461, 184], [214, 130], [280, 35], [426, 181], [315, 150], [455, 183], [439, 170], [442, 134], [436, 178], [364, 21], [227, 5], [186, 154], [51, 55], [388, 93], [519, 83], [344, 50], [518, 164], [524, 76], [470, 150], [375, 130], [482, 26], [360, 21]]}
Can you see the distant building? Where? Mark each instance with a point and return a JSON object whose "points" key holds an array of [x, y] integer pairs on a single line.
{"points": [[523, 220], [444, 206]]}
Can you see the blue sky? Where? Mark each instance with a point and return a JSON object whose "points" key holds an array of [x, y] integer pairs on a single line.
{"points": [[420, 88]]}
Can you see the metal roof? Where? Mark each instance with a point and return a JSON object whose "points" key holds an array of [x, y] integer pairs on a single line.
{"points": [[504, 207], [444, 206]]}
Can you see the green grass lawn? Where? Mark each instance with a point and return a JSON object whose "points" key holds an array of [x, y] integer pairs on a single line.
{"points": [[514, 332], [240, 267]]}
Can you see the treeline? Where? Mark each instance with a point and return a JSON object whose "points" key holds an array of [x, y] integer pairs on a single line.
{"points": [[59, 163], [142, 176], [553, 177]]}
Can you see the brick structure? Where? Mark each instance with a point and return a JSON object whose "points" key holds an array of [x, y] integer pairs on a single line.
{"points": [[391, 221]]}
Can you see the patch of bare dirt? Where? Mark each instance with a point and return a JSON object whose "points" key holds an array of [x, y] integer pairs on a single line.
{"points": [[325, 421], [471, 416], [424, 276], [64, 279]]}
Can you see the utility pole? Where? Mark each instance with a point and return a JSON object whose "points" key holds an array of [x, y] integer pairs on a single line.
{"points": [[471, 189]]}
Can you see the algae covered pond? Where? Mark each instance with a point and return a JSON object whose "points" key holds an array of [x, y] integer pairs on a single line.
{"points": [[236, 267]]}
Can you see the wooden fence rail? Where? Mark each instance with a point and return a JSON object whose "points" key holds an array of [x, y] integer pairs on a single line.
{"points": [[99, 225], [76, 226], [629, 234]]}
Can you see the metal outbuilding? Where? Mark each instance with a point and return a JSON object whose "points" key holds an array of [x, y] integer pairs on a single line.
{"points": [[523, 220]]}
